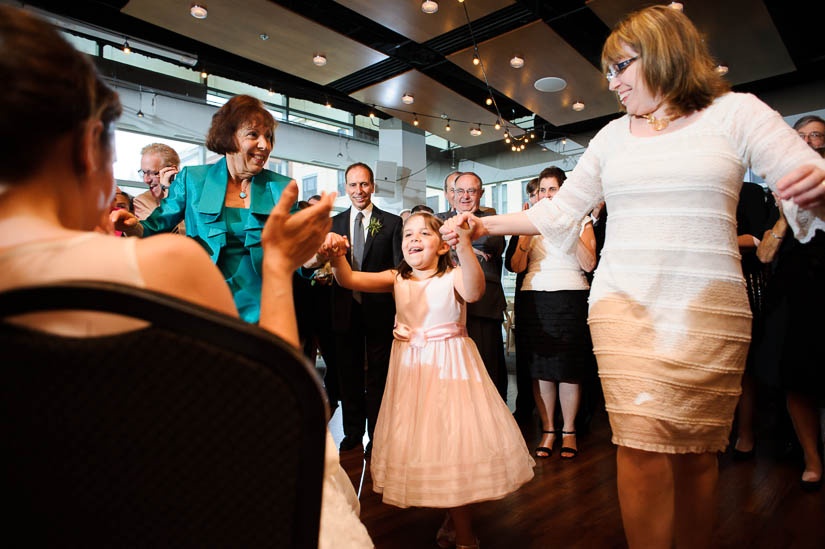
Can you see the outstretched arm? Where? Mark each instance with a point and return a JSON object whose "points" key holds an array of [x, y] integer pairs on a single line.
{"points": [[469, 283], [359, 280]]}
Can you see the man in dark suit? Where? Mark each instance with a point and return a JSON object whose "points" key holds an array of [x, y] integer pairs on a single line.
{"points": [[363, 323], [484, 317]]}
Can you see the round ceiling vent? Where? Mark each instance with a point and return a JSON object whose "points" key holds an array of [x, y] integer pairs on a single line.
{"points": [[550, 84]]}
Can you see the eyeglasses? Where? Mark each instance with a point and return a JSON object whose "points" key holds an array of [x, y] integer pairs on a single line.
{"points": [[812, 135], [468, 192], [150, 173], [615, 70]]}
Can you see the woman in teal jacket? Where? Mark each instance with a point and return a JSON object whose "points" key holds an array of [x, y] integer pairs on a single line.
{"points": [[226, 204]]}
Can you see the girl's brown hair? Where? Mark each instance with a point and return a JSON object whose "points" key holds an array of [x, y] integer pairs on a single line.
{"points": [[444, 261], [674, 59]]}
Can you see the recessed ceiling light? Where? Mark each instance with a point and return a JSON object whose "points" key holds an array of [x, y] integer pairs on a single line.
{"points": [[550, 84], [319, 59], [264, 36], [517, 62], [475, 131], [578, 106], [408, 99], [721, 69], [198, 12], [429, 6]]}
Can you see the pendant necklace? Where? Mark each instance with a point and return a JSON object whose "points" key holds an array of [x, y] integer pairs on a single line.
{"points": [[243, 191], [659, 124]]}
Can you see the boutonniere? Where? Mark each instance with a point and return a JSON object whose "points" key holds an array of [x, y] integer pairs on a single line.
{"points": [[374, 226]]}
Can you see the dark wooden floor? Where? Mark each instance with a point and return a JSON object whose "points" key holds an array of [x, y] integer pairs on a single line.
{"points": [[574, 504]]}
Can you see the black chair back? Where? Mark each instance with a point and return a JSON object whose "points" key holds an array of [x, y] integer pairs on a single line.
{"points": [[198, 431]]}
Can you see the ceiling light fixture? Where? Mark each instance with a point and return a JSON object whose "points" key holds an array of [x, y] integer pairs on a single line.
{"points": [[319, 59], [476, 131], [721, 69], [140, 113], [126, 49], [198, 12], [408, 99], [429, 6], [532, 135], [372, 114], [204, 75], [513, 148], [476, 59], [447, 127], [507, 139], [271, 91], [415, 120], [329, 105], [498, 124], [578, 106], [489, 101], [517, 61], [264, 36]]}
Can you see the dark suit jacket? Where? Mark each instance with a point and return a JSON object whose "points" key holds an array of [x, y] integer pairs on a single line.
{"points": [[492, 304], [382, 251]]}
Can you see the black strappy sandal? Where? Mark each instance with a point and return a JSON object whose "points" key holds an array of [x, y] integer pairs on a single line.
{"points": [[545, 449], [566, 452]]}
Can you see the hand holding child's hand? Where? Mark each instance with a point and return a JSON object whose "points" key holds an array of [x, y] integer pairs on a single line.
{"points": [[334, 245]]}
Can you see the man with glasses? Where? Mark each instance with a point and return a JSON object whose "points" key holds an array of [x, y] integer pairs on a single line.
{"points": [[158, 165], [812, 129], [449, 195], [484, 317]]}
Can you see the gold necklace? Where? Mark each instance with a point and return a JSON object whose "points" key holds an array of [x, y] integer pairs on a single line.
{"points": [[659, 124]]}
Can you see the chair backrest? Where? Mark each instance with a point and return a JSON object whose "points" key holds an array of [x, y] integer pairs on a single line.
{"points": [[198, 431]]}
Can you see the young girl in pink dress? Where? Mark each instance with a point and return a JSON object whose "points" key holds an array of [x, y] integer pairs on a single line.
{"points": [[444, 437]]}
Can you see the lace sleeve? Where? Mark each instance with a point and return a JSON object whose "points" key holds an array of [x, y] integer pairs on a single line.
{"points": [[559, 220], [772, 149]]}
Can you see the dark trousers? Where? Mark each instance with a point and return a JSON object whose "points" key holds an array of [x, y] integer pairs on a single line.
{"points": [[362, 389], [525, 401], [486, 333]]}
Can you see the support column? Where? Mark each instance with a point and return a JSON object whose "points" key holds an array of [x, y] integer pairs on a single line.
{"points": [[400, 175]]}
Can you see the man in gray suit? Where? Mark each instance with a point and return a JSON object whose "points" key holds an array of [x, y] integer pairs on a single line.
{"points": [[484, 317]]}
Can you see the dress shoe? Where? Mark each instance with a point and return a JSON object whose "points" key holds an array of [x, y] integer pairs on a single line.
{"points": [[349, 443]]}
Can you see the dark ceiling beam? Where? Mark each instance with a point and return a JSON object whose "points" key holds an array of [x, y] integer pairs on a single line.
{"points": [[106, 14]]}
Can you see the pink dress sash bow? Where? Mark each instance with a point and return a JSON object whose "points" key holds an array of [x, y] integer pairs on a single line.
{"points": [[419, 337]]}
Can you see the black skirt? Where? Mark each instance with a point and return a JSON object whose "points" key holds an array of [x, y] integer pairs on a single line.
{"points": [[552, 332]]}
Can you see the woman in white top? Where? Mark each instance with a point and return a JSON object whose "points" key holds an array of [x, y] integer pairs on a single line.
{"points": [[56, 181], [552, 322], [669, 313]]}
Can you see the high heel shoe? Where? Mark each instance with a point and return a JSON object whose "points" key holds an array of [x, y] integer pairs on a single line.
{"points": [[547, 451], [445, 537], [566, 452]]}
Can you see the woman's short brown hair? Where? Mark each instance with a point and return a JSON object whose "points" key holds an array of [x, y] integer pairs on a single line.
{"points": [[555, 172], [239, 110], [444, 261], [674, 59], [46, 84], [532, 186]]}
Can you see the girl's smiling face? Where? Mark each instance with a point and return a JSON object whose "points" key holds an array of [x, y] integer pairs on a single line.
{"points": [[421, 244]]}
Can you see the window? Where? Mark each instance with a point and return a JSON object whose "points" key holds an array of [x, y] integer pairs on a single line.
{"points": [[310, 184], [432, 202], [342, 183], [524, 195], [502, 194], [495, 197]]}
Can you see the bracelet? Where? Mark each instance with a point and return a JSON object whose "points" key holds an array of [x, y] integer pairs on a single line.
{"points": [[773, 234]]}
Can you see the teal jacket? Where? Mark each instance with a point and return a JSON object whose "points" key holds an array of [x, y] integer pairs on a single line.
{"points": [[198, 194]]}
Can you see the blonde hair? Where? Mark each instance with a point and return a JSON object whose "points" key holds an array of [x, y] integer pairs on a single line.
{"points": [[167, 153], [674, 59]]}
